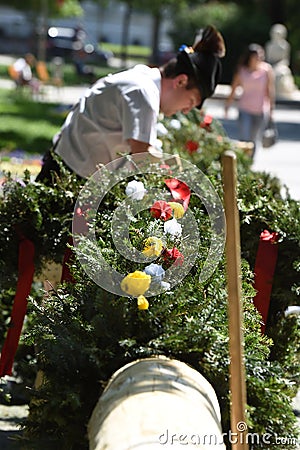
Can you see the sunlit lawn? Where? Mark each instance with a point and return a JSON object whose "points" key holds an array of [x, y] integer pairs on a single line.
{"points": [[136, 51], [26, 124]]}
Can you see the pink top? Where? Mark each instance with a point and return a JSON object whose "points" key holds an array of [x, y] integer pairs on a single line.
{"points": [[254, 98]]}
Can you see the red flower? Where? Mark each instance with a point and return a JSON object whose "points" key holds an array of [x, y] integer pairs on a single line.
{"points": [[80, 224], [161, 210], [206, 122], [191, 146], [179, 191], [267, 236], [79, 212], [173, 255]]}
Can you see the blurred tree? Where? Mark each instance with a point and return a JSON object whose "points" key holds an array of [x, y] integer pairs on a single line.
{"points": [[292, 24], [126, 28], [276, 9], [62, 8], [159, 9], [240, 23]]}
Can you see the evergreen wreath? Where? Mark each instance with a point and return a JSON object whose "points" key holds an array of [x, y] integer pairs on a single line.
{"points": [[82, 334]]}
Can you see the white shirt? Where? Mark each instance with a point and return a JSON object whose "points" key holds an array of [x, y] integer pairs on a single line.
{"points": [[23, 68], [116, 108]]}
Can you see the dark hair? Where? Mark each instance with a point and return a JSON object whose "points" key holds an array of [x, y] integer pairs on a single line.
{"points": [[201, 62], [252, 49]]}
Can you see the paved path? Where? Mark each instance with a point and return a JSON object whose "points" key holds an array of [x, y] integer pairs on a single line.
{"points": [[283, 159], [10, 419]]}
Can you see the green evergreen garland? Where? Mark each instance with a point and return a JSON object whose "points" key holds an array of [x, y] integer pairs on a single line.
{"points": [[82, 334]]}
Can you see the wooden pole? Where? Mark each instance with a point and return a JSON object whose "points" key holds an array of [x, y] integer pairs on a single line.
{"points": [[235, 311]]}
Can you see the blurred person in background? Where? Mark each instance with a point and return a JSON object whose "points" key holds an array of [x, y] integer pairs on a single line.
{"points": [[257, 100], [22, 69]]}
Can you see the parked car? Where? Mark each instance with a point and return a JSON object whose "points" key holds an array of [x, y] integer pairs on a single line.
{"points": [[67, 42]]}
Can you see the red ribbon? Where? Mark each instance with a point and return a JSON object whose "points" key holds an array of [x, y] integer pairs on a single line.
{"points": [[179, 191], [80, 226], [264, 269], [67, 262], [25, 278]]}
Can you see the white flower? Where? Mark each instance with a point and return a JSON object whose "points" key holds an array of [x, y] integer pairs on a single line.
{"points": [[165, 285], [175, 123], [158, 144], [161, 129], [156, 151], [173, 227], [135, 189]]}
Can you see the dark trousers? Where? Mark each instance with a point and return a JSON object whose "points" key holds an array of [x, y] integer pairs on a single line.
{"points": [[50, 167]]}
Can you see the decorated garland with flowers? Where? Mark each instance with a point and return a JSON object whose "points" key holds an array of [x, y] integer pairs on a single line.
{"points": [[186, 321], [82, 333], [137, 283]]}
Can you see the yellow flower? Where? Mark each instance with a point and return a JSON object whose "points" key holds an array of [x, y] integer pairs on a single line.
{"points": [[177, 208], [142, 302], [153, 246], [136, 283]]}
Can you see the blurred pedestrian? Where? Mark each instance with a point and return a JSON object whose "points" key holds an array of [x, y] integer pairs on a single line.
{"points": [[119, 113], [257, 100], [23, 72]]}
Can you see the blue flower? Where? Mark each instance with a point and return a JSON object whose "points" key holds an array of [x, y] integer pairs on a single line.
{"points": [[156, 272]]}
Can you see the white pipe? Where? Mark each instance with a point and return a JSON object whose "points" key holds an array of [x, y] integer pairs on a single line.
{"points": [[156, 403]]}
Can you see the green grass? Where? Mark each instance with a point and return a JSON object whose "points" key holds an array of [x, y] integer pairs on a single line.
{"points": [[26, 124], [136, 51], [297, 80], [70, 77], [30, 125]]}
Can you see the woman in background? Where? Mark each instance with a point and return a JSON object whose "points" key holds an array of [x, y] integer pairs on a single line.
{"points": [[257, 100]]}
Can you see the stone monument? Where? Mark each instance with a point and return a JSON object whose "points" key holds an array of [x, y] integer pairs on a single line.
{"points": [[278, 55]]}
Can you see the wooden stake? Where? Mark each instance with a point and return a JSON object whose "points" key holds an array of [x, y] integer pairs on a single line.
{"points": [[235, 310]]}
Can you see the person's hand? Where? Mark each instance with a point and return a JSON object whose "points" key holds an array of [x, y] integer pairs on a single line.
{"points": [[138, 146]]}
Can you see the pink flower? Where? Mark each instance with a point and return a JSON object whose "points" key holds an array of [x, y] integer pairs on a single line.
{"points": [[206, 122], [161, 210]]}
